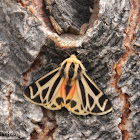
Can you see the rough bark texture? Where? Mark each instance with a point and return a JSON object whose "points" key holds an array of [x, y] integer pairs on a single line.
{"points": [[36, 36]]}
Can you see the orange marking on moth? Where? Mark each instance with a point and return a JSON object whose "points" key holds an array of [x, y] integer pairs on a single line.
{"points": [[72, 91], [62, 89]]}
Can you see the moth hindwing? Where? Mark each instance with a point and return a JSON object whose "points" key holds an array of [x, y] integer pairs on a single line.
{"points": [[69, 86]]}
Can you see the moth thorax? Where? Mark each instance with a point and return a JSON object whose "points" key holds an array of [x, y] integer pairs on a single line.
{"points": [[70, 70]]}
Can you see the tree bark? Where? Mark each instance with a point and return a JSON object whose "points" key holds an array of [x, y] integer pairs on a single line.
{"points": [[37, 35]]}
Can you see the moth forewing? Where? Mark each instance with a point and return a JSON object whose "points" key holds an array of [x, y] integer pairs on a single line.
{"points": [[90, 95], [100, 101], [48, 85], [37, 88]]}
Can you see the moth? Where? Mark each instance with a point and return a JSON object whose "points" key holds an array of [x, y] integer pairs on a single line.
{"points": [[69, 86]]}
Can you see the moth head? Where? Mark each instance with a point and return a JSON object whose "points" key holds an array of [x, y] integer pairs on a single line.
{"points": [[71, 67], [73, 59]]}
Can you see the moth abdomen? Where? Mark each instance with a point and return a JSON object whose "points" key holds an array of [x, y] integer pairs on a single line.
{"points": [[67, 88]]}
